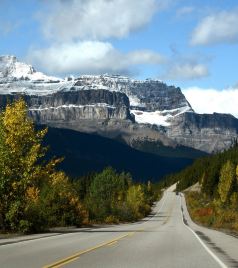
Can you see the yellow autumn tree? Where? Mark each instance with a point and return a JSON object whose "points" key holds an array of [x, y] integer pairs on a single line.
{"points": [[20, 151], [226, 181], [60, 200], [137, 202], [25, 179]]}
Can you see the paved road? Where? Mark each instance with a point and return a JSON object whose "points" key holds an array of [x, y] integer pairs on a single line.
{"points": [[166, 239]]}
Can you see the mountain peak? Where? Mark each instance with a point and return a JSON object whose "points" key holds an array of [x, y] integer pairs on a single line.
{"points": [[11, 69], [151, 101], [8, 58]]}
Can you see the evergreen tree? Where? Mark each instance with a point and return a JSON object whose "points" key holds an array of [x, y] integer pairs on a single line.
{"points": [[106, 193]]}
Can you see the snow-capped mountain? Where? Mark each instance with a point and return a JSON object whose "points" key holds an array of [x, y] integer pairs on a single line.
{"points": [[11, 69], [151, 101], [19, 77], [116, 107]]}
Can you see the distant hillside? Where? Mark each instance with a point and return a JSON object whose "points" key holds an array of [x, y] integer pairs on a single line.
{"points": [[205, 170], [156, 147], [86, 153]]}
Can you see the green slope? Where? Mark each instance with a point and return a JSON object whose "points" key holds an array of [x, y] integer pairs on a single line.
{"points": [[86, 153]]}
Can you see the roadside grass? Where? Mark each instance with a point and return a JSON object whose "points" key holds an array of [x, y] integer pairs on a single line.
{"points": [[205, 211]]}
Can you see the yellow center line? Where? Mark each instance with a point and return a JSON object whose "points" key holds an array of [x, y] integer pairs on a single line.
{"points": [[74, 257], [113, 243], [131, 234], [78, 254], [58, 266]]}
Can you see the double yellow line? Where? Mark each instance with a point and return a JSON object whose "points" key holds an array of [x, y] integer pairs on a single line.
{"points": [[74, 257], [78, 254]]}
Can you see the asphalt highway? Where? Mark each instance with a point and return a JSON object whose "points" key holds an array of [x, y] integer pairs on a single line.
{"points": [[167, 238]]}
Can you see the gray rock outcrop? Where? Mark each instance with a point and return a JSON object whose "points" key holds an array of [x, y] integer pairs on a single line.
{"points": [[75, 105], [116, 107], [206, 132]]}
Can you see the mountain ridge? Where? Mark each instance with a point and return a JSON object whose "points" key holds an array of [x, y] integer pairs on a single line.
{"points": [[150, 109]]}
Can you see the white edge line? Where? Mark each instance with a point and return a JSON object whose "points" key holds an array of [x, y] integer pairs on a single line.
{"points": [[202, 243]]}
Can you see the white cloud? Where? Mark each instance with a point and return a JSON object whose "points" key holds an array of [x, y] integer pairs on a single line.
{"points": [[186, 71], [217, 28], [79, 30], [96, 19], [186, 10], [212, 100], [90, 57]]}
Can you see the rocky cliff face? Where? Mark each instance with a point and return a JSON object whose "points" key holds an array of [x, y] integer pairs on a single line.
{"points": [[149, 95], [75, 105], [206, 132], [115, 107], [151, 101]]}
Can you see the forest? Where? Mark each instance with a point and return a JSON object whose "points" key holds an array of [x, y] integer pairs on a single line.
{"points": [[35, 195], [216, 204]]}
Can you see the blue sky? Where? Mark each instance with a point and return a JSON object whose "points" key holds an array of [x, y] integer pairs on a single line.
{"points": [[192, 44]]}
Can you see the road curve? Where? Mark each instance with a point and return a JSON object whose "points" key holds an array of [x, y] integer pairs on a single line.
{"points": [[168, 238]]}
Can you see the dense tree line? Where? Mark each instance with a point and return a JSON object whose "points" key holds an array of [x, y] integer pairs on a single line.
{"points": [[112, 197], [206, 171], [216, 204], [34, 195]]}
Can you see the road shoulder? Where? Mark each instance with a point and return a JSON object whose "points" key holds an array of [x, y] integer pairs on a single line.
{"points": [[222, 245]]}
